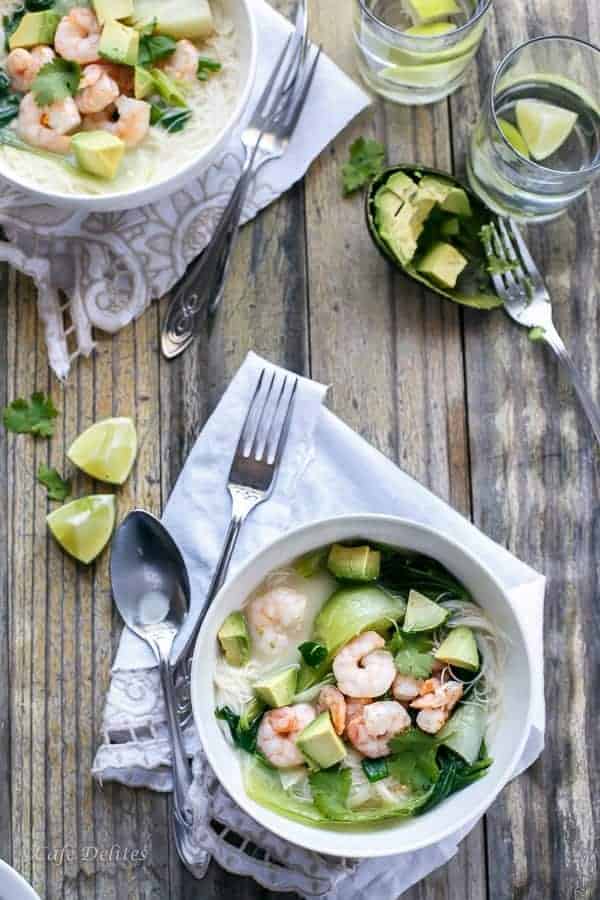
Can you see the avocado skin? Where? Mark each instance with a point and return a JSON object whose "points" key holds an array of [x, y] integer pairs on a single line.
{"points": [[479, 300]]}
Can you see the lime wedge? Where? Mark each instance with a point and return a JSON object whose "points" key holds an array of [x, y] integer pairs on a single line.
{"points": [[431, 75], [83, 527], [431, 29], [106, 450], [514, 137], [544, 127]]}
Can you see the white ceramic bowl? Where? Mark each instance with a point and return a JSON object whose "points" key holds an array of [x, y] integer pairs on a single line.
{"points": [[241, 14], [506, 747]]}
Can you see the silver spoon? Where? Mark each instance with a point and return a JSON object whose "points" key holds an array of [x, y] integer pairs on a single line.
{"points": [[152, 593]]}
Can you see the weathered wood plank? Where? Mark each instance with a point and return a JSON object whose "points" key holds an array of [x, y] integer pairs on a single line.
{"points": [[535, 483], [5, 617]]}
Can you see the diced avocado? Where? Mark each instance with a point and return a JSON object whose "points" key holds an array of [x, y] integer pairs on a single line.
{"points": [[431, 29], [143, 83], [450, 228], [279, 688], [387, 206], [119, 43], [112, 9], [401, 185], [402, 231], [319, 743], [167, 88], [424, 11], [436, 188], [514, 137], [465, 731], [348, 612], [98, 152], [458, 203], [443, 264], [234, 639], [422, 614], [35, 28], [190, 19], [309, 564], [354, 563], [460, 649]]}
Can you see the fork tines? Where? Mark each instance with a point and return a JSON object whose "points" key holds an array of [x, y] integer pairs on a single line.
{"points": [[267, 422]]}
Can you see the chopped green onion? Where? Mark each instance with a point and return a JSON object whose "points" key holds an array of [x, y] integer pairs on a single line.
{"points": [[206, 67]]}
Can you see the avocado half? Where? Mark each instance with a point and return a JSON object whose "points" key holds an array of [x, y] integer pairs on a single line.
{"points": [[474, 287]]}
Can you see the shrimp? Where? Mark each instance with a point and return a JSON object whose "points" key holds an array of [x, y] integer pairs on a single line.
{"points": [[362, 668], [436, 702], [23, 65], [97, 90], [278, 731], [128, 119], [405, 688], [47, 126], [372, 730], [77, 37], [275, 616], [182, 65], [333, 700], [355, 706]]}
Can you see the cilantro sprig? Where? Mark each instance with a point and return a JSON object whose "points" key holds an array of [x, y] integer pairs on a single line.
{"points": [[154, 47], [171, 118], [366, 162], [55, 81], [58, 488], [35, 416]]}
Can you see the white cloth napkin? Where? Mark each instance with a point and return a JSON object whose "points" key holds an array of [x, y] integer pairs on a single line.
{"points": [[111, 265], [327, 470]]}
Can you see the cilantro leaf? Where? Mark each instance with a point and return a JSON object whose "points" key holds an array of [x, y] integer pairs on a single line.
{"points": [[330, 790], [244, 729], [366, 162], [414, 760], [413, 655], [58, 488], [56, 81], [153, 47], [33, 417], [206, 67]]}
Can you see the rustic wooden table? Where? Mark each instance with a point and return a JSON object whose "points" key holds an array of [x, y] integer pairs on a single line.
{"points": [[461, 399]]}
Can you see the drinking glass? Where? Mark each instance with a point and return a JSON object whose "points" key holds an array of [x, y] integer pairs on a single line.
{"points": [[408, 58], [536, 146]]}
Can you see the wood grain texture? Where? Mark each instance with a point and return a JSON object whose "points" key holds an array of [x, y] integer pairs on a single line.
{"points": [[461, 400]]}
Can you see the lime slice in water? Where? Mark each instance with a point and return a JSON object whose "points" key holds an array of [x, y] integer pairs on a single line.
{"points": [[514, 137], [106, 450], [430, 75], [431, 29], [83, 527], [544, 127]]}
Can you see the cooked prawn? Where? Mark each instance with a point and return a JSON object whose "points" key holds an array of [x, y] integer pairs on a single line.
{"points": [[355, 706], [405, 688], [97, 90], [23, 65], [436, 702], [128, 119], [362, 668], [182, 65], [330, 698], [276, 616], [372, 730], [278, 731], [77, 37], [47, 126]]}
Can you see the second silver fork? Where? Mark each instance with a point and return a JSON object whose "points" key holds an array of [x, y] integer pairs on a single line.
{"points": [[265, 138]]}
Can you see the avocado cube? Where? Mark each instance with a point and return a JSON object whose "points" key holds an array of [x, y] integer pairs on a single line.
{"points": [[119, 43], [143, 83], [234, 639], [401, 232], [35, 28], [443, 264], [319, 743], [98, 152], [424, 11], [401, 185], [178, 19], [460, 649], [112, 9], [458, 203], [279, 688], [450, 228], [354, 563], [436, 188]]}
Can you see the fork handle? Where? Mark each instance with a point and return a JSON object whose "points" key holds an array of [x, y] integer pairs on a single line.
{"points": [[200, 290], [590, 407]]}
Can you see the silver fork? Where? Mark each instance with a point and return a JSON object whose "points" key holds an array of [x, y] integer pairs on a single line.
{"points": [[265, 138], [251, 480], [527, 301]]}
